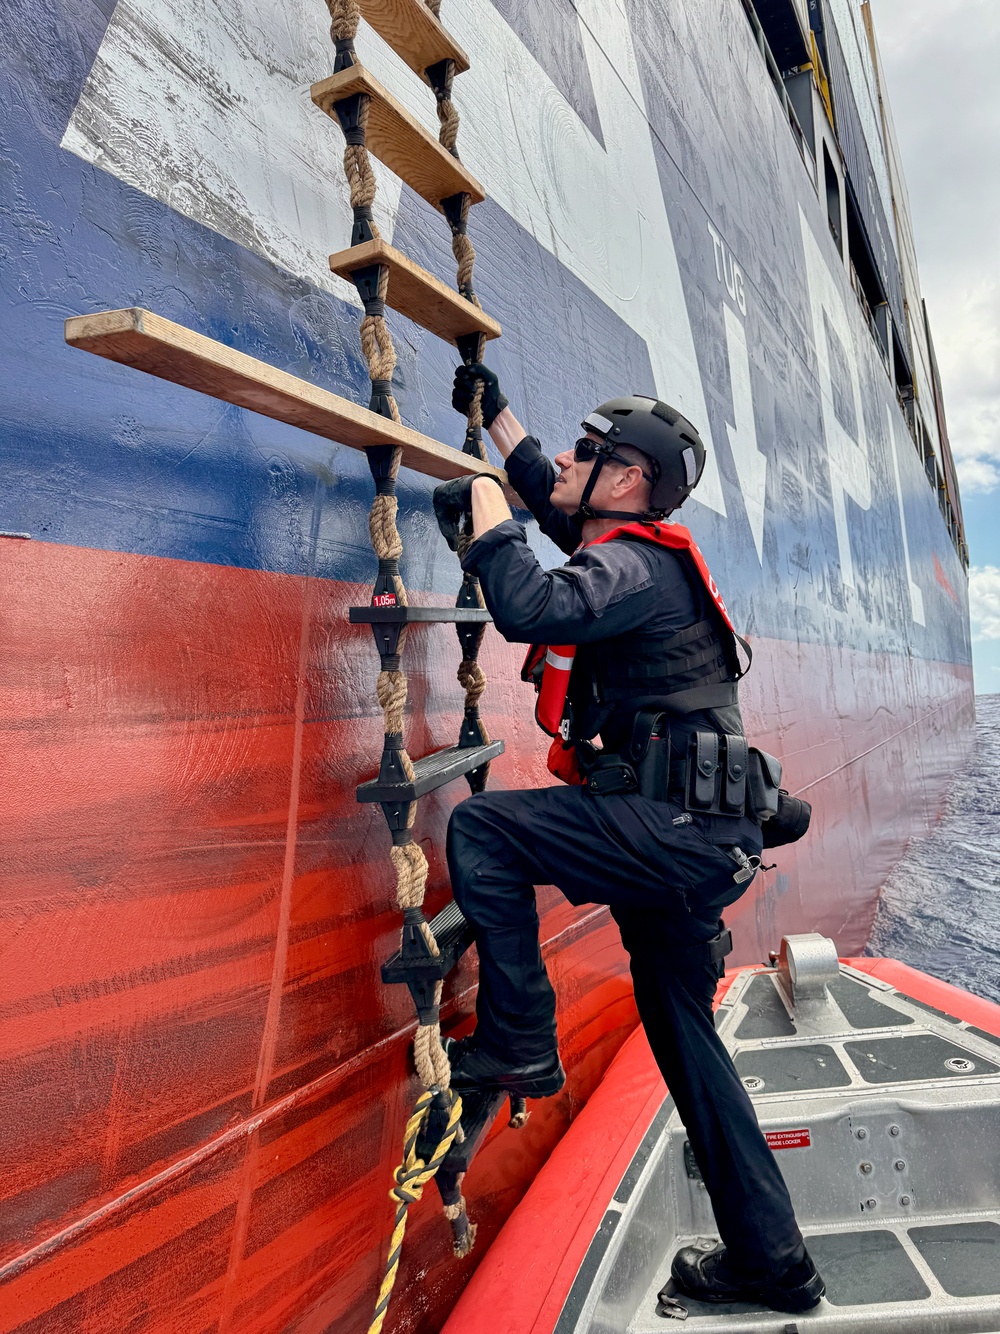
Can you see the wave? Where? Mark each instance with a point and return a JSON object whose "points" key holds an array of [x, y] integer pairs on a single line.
{"points": [[940, 908]]}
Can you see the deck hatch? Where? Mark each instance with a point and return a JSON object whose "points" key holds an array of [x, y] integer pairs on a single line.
{"points": [[965, 1257], [866, 1268], [918, 1056]]}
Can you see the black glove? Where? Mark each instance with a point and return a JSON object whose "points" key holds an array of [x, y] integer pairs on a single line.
{"points": [[453, 507], [462, 395]]}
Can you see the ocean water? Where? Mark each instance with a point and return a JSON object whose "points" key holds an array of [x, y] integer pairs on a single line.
{"points": [[940, 908]]}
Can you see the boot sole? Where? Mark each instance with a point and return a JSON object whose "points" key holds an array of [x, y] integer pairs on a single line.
{"points": [[797, 1300], [789, 1301]]}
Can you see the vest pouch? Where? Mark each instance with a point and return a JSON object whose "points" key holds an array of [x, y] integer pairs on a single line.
{"points": [[734, 775], [789, 823], [704, 772], [763, 784], [650, 752]]}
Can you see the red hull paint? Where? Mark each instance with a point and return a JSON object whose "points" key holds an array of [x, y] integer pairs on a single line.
{"points": [[522, 1287], [205, 1082]]}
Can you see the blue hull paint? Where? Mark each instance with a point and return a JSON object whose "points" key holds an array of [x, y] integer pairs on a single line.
{"points": [[97, 455]]}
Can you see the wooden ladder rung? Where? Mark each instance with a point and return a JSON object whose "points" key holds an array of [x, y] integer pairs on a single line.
{"points": [[138, 338], [399, 140], [416, 293], [414, 33]]}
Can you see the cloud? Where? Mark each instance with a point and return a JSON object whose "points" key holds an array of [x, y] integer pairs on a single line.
{"points": [[984, 601], [939, 58], [977, 474]]}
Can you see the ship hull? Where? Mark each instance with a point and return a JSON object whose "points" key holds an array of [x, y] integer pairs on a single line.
{"points": [[205, 1080], [206, 1083]]}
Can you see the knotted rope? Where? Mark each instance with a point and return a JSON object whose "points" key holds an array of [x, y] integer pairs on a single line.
{"points": [[409, 1180]]}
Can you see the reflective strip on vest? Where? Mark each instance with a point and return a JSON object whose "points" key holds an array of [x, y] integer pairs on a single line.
{"points": [[564, 662]]}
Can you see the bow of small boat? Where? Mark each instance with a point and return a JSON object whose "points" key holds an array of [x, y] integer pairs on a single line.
{"points": [[878, 1088]]}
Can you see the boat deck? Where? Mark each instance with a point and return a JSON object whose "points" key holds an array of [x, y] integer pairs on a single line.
{"points": [[886, 1116]]}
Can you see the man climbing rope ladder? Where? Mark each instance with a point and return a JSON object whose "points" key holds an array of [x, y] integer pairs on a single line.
{"points": [[659, 824]]}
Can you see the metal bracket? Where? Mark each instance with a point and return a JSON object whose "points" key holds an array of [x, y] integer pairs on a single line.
{"points": [[807, 964]]}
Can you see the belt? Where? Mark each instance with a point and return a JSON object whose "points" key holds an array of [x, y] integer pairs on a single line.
{"points": [[706, 773]]}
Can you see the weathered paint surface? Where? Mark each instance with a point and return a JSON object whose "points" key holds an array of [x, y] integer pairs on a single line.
{"points": [[205, 1082]]}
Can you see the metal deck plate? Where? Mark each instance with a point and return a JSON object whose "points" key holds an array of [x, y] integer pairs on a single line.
{"points": [[863, 1010], [987, 1037]]}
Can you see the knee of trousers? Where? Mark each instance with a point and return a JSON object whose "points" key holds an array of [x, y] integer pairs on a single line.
{"points": [[472, 837], [479, 857]]}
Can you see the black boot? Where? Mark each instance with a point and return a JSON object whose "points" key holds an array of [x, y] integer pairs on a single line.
{"points": [[706, 1276], [474, 1068]]}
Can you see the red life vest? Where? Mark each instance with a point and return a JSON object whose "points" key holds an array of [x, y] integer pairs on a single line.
{"points": [[553, 687]]}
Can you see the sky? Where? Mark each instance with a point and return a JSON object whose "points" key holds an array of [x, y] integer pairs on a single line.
{"points": [[941, 60]]}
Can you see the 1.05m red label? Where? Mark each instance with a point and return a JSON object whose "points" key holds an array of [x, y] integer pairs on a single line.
{"points": [[788, 1139]]}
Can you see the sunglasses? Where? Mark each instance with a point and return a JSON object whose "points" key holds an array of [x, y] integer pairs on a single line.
{"points": [[584, 450]]}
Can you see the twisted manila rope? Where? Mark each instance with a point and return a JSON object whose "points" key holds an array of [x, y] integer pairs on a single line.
{"points": [[447, 113], [472, 679], [345, 15], [377, 346], [465, 254]]}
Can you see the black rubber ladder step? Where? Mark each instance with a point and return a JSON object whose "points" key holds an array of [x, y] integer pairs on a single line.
{"points": [[431, 772], [417, 615], [414, 33], [147, 342], [398, 139], [453, 935], [415, 293]]}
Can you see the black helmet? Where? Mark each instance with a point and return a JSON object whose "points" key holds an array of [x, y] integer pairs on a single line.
{"points": [[663, 435]]}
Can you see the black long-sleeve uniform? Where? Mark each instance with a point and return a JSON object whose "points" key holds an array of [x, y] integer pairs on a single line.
{"points": [[625, 592], [665, 882]]}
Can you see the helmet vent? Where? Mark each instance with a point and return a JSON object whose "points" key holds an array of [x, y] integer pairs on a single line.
{"points": [[621, 412], [664, 413], [686, 437], [690, 463]]}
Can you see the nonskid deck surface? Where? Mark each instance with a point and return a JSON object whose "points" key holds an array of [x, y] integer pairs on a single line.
{"points": [[936, 1273], [885, 1115]]}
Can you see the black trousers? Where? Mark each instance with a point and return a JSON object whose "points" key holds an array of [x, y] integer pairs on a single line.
{"points": [[666, 887]]}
